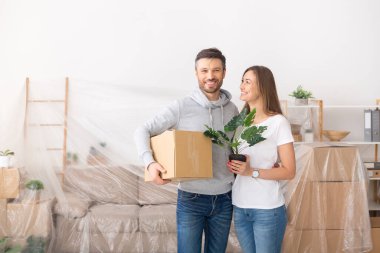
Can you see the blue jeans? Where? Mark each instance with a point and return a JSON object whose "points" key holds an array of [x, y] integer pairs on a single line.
{"points": [[198, 213], [260, 230]]}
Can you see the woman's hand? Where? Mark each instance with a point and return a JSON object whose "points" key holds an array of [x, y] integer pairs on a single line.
{"points": [[239, 167]]}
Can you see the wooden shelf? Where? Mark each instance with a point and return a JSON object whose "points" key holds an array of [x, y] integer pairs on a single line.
{"points": [[303, 106], [373, 206], [343, 143], [350, 106]]}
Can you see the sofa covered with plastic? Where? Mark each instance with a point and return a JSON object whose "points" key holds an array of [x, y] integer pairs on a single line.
{"points": [[111, 209]]}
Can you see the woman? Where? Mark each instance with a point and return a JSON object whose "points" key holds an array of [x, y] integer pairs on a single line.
{"points": [[259, 210]]}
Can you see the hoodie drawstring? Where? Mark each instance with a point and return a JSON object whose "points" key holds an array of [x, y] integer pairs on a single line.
{"points": [[221, 107], [209, 113]]}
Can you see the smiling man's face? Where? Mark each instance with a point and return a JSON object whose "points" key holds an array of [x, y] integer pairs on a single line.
{"points": [[210, 75]]}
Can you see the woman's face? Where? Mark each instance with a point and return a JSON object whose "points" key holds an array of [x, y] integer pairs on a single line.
{"points": [[249, 90]]}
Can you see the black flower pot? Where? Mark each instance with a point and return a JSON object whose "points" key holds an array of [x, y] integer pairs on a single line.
{"points": [[237, 157]]}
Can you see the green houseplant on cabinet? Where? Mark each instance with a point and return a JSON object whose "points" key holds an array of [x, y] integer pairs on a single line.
{"points": [[33, 191], [243, 130], [5, 157], [301, 96]]}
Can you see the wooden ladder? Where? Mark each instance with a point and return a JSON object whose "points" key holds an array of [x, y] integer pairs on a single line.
{"points": [[62, 148], [376, 145]]}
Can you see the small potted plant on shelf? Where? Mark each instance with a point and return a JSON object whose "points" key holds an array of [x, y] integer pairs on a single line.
{"points": [[72, 158], [5, 157], [33, 194], [301, 96], [248, 132]]}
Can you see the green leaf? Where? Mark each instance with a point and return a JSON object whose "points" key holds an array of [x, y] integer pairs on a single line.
{"points": [[249, 119], [255, 140], [236, 121], [253, 135], [209, 134], [301, 93], [6, 152], [34, 185], [235, 144], [224, 135], [213, 135], [15, 249]]}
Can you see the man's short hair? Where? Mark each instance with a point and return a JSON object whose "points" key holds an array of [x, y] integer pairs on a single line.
{"points": [[211, 53]]}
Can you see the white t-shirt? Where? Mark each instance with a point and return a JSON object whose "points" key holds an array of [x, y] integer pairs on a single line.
{"points": [[248, 192]]}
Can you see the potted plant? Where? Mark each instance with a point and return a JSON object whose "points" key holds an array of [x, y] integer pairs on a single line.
{"points": [[33, 193], [248, 132], [301, 96], [4, 248], [35, 244], [5, 157], [72, 158]]}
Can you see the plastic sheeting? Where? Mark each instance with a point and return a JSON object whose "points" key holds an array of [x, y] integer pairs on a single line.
{"points": [[96, 200], [327, 202]]}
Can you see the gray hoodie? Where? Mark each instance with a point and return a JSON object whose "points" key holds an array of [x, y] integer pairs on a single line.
{"points": [[192, 113]]}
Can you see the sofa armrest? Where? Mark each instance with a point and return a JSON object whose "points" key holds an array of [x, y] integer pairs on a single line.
{"points": [[72, 206]]}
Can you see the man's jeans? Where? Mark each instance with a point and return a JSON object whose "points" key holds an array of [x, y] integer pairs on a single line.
{"points": [[260, 230], [197, 213]]}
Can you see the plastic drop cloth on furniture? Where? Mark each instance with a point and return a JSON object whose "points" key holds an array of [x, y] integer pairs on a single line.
{"points": [[97, 200], [94, 198], [327, 201], [119, 213]]}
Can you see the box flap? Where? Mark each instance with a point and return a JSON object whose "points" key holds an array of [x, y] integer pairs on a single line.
{"points": [[163, 151]]}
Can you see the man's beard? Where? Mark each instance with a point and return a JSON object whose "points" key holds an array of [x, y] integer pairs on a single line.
{"points": [[212, 90]]}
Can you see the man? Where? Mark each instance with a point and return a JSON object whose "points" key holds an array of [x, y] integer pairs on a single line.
{"points": [[203, 205]]}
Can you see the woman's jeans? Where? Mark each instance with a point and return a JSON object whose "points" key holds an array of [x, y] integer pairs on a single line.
{"points": [[260, 230], [198, 213]]}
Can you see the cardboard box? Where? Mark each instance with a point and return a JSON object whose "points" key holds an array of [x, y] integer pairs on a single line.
{"points": [[24, 220], [324, 241], [184, 155], [375, 231], [375, 222], [375, 240], [334, 164], [3, 218], [329, 205], [9, 183]]}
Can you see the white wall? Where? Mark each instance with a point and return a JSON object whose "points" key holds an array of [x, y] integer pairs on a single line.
{"points": [[329, 47]]}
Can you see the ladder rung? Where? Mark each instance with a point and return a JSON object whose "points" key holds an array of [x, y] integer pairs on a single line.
{"points": [[54, 149], [46, 101]]}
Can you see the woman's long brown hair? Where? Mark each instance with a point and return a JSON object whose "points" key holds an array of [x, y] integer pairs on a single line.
{"points": [[267, 88]]}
